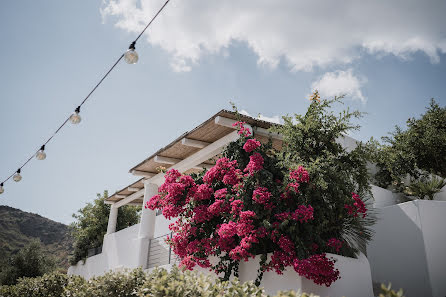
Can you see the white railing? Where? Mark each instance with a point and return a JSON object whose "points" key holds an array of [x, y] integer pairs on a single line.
{"points": [[160, 253]]}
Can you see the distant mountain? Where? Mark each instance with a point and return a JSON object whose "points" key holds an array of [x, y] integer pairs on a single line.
{"points": [[18, 228]]}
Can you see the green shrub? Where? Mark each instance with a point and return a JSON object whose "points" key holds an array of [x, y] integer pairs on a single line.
{"points": [[116, 284], [425, 187], [48, 285], [158, 283], [30, 261], [177, 283]]}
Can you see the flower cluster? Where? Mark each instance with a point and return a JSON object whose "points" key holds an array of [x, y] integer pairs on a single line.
{"points": [[335, 243], [250, 145], [242, 130], [318, 268], [357, 207], [235, 212]]}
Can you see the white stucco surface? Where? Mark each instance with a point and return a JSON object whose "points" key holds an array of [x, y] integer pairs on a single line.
{"points": [[408, 248], [120, 249], [355, 278]]}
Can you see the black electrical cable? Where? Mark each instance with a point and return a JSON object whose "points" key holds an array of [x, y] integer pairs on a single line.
{"points": [[132, 46]]}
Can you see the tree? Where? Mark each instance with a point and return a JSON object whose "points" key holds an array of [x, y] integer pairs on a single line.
{"points": [[30, 261], [418, 150], [91, 225]]}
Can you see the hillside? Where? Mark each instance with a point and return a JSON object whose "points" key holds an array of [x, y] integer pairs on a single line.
{"points": [[18, 228]]}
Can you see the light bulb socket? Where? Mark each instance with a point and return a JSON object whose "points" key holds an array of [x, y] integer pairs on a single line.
{"points": [[132, 45], [42, 148], [78, 109], [18, 171], [1, 185]]}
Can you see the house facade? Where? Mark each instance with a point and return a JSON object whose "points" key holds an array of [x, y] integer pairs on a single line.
{"points": [[143, 245]]}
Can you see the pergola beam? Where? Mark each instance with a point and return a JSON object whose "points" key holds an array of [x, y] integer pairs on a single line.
{"points": [[199, 157], [143, 173], [225, 122], [165, 160], [267, 133], [194, 143], [172, 161], [130, 198], [132, 189]]}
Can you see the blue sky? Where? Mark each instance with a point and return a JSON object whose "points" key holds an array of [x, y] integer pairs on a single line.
{"points": [[266, 56]]}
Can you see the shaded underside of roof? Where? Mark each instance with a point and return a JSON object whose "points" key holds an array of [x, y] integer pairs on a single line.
{"points": [[208, 132]]}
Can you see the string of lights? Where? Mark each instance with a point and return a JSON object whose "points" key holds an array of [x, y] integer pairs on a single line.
{"points": [[130, 56]]}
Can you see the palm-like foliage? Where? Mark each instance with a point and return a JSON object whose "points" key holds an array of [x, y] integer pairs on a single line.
{"points": [[425, 187]]}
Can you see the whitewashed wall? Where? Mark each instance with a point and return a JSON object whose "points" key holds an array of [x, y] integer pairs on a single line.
{"points": [[119, 250], [409, 248], [355, 281]]}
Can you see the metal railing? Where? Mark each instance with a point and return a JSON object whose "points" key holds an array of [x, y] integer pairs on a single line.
{"points": [[160, 252], [94, 251]]}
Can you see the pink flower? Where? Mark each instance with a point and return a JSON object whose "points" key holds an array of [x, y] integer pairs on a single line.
{"points": [[153, 203], [250, 145], [227, 230], [303, 213], [358, 206], [262, 196], [300, 175], [236, 206], [188, 262], [204, 192], [221, 193], [242, 129], [201, 214], [255, 163], [335, 243], [218, 207], [318, 268], [286, 244]]}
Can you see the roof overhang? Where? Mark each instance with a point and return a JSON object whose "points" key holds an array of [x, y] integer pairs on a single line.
{"points": [[191, 152]]}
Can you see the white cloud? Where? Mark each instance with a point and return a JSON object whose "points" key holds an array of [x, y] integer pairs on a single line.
{"points": [[304, 34], [274, 119], [340, 83]]}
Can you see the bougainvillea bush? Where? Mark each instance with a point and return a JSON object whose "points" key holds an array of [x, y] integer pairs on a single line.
{"points": [[296, 204]]}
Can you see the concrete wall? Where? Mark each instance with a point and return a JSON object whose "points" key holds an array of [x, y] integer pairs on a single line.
{"points": [[383, 197], [355, 278], [408, 248], [119, 250], [355, 281]]}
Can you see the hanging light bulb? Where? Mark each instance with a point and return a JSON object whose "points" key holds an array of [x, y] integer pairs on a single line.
{"points": [[1, 188], [17, 177], [75, 118], [131, 56], [41, 153]]}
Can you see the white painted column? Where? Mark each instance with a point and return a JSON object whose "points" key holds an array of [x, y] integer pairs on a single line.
{"points": [[148, 216], [147, 224], [112, 219]]}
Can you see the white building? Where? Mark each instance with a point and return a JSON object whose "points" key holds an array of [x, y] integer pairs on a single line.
{"points": [[407, 249]]}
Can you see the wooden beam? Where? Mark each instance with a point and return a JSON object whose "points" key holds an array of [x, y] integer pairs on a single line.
{"points": [[194, 143], [119, 196], [143, 173], [225, 122], [130, 198], [130, 189], [267, 133], [166, 160], [199, 157]]}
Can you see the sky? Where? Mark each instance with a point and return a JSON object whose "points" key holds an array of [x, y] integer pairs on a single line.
{"points": [[387, 57]]}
